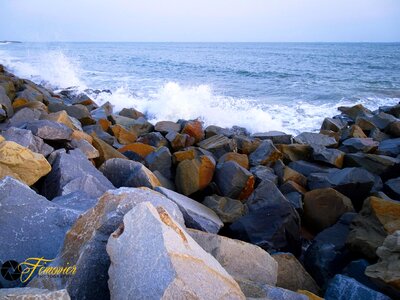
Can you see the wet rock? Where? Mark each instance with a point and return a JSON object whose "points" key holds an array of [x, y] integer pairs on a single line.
{"points": [[33, 294], [31, 226], [179, 141], [166, 126], [25, 138], [85, 243], [218, 145], [227, 209], [154, 139], [49, 130], [160, 160], [131, 113], [241, 159], [386, 273], [355, 111], [389, 147], [106, 151], [333, 124], [244, 262], [377, 219], [277, 137], [234, 181], [264, 173], [328, 254], [246, 145], [196, 215], [265, 154], [324, 207], [292, 275], [168, 252], [315, 139], [384, 166], [365, 145], [294, 152], [194, 175], [343, 287], [123, 136], [393, 188], [123, 172], [21, 163], [73, 172], [334, 157], [87, 148], [393, 110], [194, 128]]}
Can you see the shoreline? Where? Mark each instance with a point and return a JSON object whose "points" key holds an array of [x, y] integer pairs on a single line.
{"points": [[336, 189]]}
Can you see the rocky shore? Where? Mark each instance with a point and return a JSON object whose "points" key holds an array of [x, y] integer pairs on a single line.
{"points": [[177, 210]]}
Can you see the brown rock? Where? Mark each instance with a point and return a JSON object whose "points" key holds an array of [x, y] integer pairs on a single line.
{"points": [[290, 174], [387, 212], [21, 163], [105, 124], [194, 175], [246, 145], [292, 275], [324, 207], [123, 136], [295, 152], [166, 126], [194, 129], [105, 151], [139, 148], [354, 131], [80, 135], [60, 117], [229, 210], [179, 141], [241, 159], [131, 113]]}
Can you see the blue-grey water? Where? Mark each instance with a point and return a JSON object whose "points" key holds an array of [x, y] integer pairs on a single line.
{"points": [[261, 86]]}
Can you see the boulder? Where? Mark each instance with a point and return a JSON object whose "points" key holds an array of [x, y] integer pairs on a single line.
{"points": [[393, 188], [265, 154], [193, 175], [227, 209], [377, 219], [355, 111], [106, 151], [390, 147], [179, 141], [277, 137], [189, 153], [354, 131], [307, 168], [241, 159], [288, 174], [215, 130], [33, 294], [294, 152], [296, 200], [99, 131], [246, 145], [24, 115], [292, 275], [139, 148], [356, 269], [85, 243], [73, 172], [315, 139], [78, 201], [218, 145], [5, 103], [123, 136], [31, 226], [154, 139], [137, 126], [328, 255], [324, 207], [194, 128], [21, 163], [269, 292], [77, 111], [131, 113], [25, 138], [63, 118], [333, 157], [87, 148], [333, 124], [365, 145], [382, 165], [196, 215], [292, 187], [386, 273], [393, 110], [272, 223], [394, 129], [378, 135], [128, 173], [152, 244], [244, 262], [346, 288], [166, 126], [264, 173], [234, 181], [165, 182], [160, 160], [49, 130]]}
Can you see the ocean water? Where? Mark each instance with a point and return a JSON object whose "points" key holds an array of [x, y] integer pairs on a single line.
{"points": [[260, 86]]}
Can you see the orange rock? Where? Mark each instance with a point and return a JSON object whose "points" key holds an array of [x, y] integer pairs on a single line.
{"points": [[33, 105], [290, 174], [387, 212], [60, 117], [19, 102], [139, 148], [310, 295], [206, 171], [241, 159], [105, 124], [248, 189], [183, 155], [194, 129], [295, 152], [123, 136]]}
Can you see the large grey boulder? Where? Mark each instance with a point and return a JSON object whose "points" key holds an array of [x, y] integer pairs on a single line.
{"points": [[243, 261], [30, 225], [49, 130], [218, 145], [364, 145], [78, 201], [265, 154], [390, 147], [161, 161], [315, 139], [73, 172], [229, 210], [33, 294], [85, 244], [154, 258], [196, 215]]}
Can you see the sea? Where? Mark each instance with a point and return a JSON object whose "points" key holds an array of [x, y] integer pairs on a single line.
{"points": [[289, 87]]}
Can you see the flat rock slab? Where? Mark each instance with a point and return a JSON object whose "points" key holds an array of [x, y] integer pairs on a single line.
{"points": [[49, 130], [153, 257], [317, 139], [196, 215]]}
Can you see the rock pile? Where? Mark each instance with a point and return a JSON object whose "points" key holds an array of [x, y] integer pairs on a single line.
{"points": [[178, 210]]}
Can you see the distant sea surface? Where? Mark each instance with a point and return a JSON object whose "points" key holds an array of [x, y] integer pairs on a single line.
{"points": [[261, 86]]}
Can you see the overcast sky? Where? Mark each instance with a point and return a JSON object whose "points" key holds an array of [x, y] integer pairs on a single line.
{"points": [[200, 20]]}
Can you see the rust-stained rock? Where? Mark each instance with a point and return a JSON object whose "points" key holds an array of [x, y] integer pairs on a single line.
{"points": [[105, 151], [179, 141], [166, 126], [195, 129], [266, 154], [139, 148], [241, 159], [123, 136], [295, 152]]}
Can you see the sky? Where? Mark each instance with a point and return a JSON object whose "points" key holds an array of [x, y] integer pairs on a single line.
{"points": [[201, 20]]}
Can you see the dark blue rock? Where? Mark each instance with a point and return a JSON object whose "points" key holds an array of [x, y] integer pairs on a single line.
{"points": [[356, 270], [346, 288]]}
